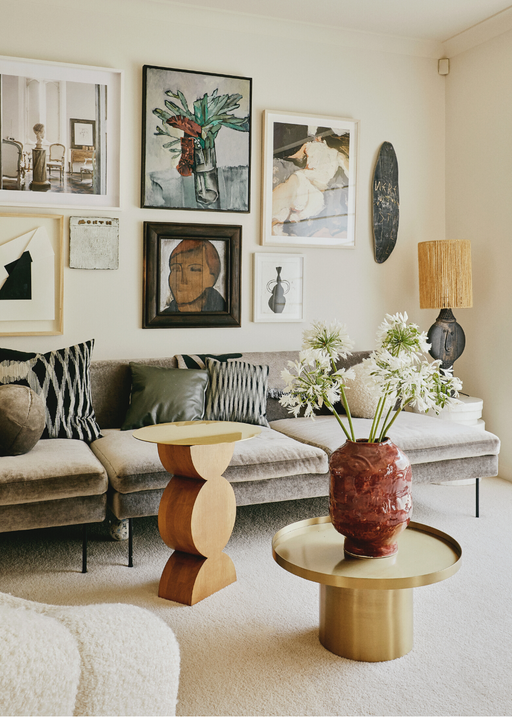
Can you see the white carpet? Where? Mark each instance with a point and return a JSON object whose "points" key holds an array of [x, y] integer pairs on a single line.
{"points": [[253, 649]]}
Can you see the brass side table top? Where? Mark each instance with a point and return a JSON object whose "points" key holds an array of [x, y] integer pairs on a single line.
{"points": [[366, 606], [197, 433], [313, 549]]}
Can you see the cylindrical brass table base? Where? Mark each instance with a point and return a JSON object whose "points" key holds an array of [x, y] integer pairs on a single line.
{"points": [[367, 625]]}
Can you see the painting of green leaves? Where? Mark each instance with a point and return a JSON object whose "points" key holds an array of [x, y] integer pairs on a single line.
{"points": [[196, 140]]}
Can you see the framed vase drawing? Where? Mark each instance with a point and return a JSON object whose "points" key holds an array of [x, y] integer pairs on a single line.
{"points": [[309, 180], [196, 140], [61, 135], [278, 287], [191, 275], [31, 274]]}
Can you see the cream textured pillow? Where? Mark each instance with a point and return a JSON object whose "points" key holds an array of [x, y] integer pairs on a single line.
{"points": [[361, 399]]}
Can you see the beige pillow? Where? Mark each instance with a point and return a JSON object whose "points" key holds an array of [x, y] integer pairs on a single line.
{"points": [[361, 400]]}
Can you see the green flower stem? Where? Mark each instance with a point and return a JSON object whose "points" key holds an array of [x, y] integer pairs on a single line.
{"points": [[376, 418], [345, 405], [335, 413], [388, 426], [385, 423]]}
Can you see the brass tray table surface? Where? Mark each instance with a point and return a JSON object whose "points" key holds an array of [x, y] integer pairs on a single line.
{"points": [[366, 605]]}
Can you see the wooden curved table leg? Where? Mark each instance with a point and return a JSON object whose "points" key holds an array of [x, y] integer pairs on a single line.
{"points": [[196, 518]]}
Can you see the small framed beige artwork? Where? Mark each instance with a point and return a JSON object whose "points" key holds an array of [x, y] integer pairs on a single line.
{"points": [[93, 243], [31, 274]]}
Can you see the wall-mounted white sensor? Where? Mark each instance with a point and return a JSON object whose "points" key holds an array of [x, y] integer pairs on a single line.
{"points": [[443, 66]]}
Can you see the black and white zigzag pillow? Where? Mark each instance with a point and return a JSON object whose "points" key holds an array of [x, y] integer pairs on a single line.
{"points": [[237, 391], [62, 379]]}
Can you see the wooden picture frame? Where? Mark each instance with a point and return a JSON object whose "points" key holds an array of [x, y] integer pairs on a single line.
{"points": [[309, 180], [83, 133], [278, 287], [191, 275], [196, 140], [31, 274], [53, 168]]}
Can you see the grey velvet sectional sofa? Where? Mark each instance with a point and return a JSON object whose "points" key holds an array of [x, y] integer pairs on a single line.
{"points": [[66, 481]]}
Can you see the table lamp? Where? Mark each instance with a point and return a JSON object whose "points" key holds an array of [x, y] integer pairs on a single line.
{"points": [[445, 283]]}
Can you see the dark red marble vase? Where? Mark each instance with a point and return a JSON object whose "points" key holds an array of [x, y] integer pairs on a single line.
{"points": [[370, 496]]}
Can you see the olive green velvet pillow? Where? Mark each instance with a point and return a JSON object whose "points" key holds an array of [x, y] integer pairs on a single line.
{"points": [[163, 395]]}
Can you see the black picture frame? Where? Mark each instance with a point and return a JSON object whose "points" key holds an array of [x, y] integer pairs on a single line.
{"points": [[200, 160], [220, 255]]}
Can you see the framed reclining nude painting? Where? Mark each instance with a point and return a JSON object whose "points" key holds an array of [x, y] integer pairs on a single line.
{"points": [[309, 180]]}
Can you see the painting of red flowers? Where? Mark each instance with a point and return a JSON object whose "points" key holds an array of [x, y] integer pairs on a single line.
{"points": [[196, 140]]}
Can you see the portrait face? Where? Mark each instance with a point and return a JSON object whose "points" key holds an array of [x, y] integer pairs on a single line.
{"points": [[191, 271]]}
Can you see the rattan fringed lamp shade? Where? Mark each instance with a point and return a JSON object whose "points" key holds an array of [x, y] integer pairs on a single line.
{"points": [[445, 283], [445, 274]]}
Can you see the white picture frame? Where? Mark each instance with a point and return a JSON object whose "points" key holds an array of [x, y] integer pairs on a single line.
{"points": [[309, 180], [67, 90], [278, 287]]}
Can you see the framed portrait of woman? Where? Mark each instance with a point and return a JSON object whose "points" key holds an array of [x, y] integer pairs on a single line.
{"points": [[191, 275]]}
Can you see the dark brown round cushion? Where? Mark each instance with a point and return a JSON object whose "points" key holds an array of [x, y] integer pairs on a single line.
{"points": [[22, 419]]}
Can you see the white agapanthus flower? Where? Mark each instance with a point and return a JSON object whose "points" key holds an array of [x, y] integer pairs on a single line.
{"points": [[330, 337], [397, 372]]}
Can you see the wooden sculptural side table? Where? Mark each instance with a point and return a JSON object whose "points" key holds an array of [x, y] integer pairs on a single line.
{"points": [[198, 508]]}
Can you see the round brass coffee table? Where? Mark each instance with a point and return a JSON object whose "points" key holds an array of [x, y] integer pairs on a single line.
{"points": [[366, 605], [198, 508]]}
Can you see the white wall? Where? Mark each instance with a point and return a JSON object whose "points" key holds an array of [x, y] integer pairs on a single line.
{"points": [[479, 208], [394, 90]]}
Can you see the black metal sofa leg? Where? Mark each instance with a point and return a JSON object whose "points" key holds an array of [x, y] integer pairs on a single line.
{"points": [[130, 542], [477, 497], [84, 548]]}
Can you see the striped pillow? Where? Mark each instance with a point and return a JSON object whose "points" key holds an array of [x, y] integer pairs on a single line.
{"points": [[237, 391]]}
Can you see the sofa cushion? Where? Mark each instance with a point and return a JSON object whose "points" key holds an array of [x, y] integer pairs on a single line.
{"points": [[54, 469], [237, 392], [163, 395], [198, 360], [424, 439], [134, 465], [62, 379], [271, 454]]}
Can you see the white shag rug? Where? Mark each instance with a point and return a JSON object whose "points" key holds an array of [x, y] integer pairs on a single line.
{"points": [[253, 648]]}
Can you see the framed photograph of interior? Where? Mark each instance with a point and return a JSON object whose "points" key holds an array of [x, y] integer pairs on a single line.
{"points": [[31, 274], [278, 287], [196, 140], [191, 275], [309, 180], [61, 135]]}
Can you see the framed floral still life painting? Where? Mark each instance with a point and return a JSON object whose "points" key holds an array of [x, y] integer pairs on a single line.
{"points": [[196, 140], [191, 275], [278, 287], [309, 180]]}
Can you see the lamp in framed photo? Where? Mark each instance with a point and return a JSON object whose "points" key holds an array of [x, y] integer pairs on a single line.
{"points": [[196, 140], [191, 275], [278, 287], [309, 180]]}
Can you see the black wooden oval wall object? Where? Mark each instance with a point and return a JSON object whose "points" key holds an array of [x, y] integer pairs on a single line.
{"points": [[386, 203]]}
